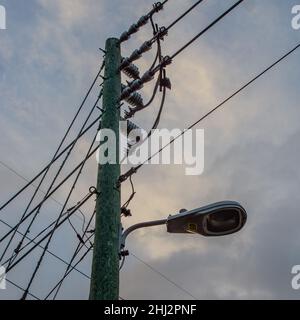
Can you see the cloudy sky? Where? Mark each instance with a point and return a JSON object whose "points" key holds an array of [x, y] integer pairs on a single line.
{"points": [[48, 58]]}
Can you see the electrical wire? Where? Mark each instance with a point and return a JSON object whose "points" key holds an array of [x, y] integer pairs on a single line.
{"points": [[162, 104], [30, 183], [157, 120], [59, 284], [81, 217], [48, 251], [183, 15], [22, 289], [60, 168], [51, 185], [47, 235], [165, 277], [156, 8], [75, 231], [77, 250], [33, 240], [134, 170], [70, 268], [129, 114], [66, 134], [157, 35], [133, 193], [207, 28], [60, 215], [133, 111], [168, 59], [52, 192]]}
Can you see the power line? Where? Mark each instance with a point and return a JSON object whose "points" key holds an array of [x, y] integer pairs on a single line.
{"points": [[163, 276], [52, 192], [207, 28], [58, 172], [148, 75], [80, 245], [80, 204], [60, 215], [158, 6], [19, 287], [30, 183], [46, 170], [49, 252], [18, 174], [157, 35], [184, 14], [70, 268], [135, 169]]}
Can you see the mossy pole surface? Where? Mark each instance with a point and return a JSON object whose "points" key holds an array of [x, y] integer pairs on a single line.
{"points": [[105, 267]]}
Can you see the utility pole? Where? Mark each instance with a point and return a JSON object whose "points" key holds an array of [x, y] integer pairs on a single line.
{"points": [[105, 267]]}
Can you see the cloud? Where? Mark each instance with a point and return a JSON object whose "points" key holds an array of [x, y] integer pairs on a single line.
{"points": [[251, 150]]}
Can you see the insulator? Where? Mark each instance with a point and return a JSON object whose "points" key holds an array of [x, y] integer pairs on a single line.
{"points": [[136, 85], [146, 46], [125, 93], [148, 76], [125, 63], [124, 36], [131, 126], [135, 99], [136, 54], [143, 21], [133, 29], [132, 71]]}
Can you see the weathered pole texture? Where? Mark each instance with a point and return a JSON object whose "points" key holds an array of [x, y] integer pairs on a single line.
{"points": [[105, 267]]}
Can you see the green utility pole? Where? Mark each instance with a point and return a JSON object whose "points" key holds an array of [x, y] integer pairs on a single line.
{"points": [[105, 268]]}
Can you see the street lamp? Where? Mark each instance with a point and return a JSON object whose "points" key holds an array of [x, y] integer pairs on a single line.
{"points": [[218, 219]]}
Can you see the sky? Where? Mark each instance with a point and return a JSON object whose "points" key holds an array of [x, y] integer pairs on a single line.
{"points": [[48, 58]]}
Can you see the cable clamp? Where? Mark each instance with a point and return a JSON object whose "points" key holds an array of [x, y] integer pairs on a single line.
{"points": [[167, 60], [124, 253], [93, 190], [157, 7], [163, 32], [165, 82], [125, 176], [126, 212]]}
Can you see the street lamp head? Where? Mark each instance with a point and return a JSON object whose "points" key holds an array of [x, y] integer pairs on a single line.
{"points": [[217, 219]]}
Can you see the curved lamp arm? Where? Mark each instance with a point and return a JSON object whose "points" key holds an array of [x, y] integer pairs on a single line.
{"points": [[139, 226]]}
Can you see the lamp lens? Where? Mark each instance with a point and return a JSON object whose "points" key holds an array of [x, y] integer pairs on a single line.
{"points": [[224, 221]]}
